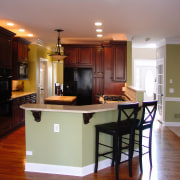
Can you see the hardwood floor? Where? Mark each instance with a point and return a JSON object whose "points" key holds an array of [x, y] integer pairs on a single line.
{"points": [[166, 160]]}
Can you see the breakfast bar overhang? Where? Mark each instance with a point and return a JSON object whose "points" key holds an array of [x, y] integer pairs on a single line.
{"points": [[71, 150]]}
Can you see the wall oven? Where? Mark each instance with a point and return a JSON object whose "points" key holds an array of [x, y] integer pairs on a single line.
{"points": [[22, 70], [5, 101], [5, 87]]}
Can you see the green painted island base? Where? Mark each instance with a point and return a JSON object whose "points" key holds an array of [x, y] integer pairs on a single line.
{"points": [[71, 151]]}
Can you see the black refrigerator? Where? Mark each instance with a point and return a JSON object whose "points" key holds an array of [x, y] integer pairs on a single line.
{"points": [[78, 82]]}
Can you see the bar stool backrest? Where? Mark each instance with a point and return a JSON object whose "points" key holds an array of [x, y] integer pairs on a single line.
{"points": [[148, 114], [127, 112]]}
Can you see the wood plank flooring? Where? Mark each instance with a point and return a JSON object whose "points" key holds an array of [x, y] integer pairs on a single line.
{"points": [[166, 160]]}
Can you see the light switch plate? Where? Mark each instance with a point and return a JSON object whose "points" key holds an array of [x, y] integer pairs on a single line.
{"points": [[56, 127], [171, 90]]}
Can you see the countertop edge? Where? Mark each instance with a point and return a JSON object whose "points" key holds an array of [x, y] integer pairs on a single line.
{"points": [[73, 109]]}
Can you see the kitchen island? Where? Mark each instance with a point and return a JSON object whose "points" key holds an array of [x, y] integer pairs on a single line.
{"points": [[60, 139], [61, 100]]}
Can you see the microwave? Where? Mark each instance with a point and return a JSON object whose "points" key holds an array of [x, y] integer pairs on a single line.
{"points": [[22, 71]]}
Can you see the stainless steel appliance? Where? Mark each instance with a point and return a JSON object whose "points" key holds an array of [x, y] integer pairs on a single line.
{"points": [[22, 70]]}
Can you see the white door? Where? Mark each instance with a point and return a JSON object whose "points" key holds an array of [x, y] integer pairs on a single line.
{"points": [[43, 80], [160, 89]]}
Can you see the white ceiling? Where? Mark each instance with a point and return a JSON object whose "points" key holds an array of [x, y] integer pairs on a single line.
{"points": [[137, 19]]}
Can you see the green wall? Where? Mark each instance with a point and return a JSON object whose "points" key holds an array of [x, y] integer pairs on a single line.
{"points": [[73, 146], [129, 63], [173, 70], [172, 108]]}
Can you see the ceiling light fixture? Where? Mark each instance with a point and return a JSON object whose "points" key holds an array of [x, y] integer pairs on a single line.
{"points": [[98, 30], [59, 53], [98, 23], [10, 24], [30, 35], [99, 35], [21, 30]]}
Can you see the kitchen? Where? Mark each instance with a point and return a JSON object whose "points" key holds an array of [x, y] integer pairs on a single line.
{"points": [[169, 51]]}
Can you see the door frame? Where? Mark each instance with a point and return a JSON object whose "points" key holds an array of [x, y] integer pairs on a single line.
{"points": [[161, 117], [46, 84]]}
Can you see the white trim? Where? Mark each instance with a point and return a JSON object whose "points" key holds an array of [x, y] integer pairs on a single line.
{"points": [[69, 170], [43, 59], [172, 99], [172, 124]]}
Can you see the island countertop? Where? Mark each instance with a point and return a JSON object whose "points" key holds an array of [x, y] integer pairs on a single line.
{"points": [[74, 109]]}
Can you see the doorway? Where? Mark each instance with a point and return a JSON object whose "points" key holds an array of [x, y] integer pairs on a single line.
{"points": [[145, 77], [43, 77]]}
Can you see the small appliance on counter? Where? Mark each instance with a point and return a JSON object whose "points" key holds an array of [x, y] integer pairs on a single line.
{"points": [[17, 85]]}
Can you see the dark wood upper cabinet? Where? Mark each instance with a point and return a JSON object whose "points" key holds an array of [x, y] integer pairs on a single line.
{"points": [[72, 53], [119, 61], [6, 48], [20, 49], [20, 56], [78, 56], [85, 56]]}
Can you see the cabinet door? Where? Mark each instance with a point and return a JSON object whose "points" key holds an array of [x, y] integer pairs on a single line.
{"points": [[5, 53], [98, 89], [85, 56], [18, 113], [71, 60], [98, 64], [22, 49], [119, 62], [6, 48]]}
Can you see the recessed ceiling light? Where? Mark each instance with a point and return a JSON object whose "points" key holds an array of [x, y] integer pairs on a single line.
{"points": [[21, 30], [10, 24], [98, 23], [99, 35], [30, 35], [98, 30]]}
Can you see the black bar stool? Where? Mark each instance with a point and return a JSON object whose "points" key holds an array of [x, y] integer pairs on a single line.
{"points": [[146, 122], [125, 125]]}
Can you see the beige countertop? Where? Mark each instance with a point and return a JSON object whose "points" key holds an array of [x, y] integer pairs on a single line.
{"points": [[17, 94], [74, 109]]}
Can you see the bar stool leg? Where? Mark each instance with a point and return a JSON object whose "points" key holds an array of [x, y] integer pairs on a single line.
{"points": [[96, 150], [115, 147], [140, 150], [150, 144], [131, 149]]}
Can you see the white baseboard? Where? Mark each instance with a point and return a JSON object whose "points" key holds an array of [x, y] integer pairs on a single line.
{"points": [[69, 170], [172, 124]]}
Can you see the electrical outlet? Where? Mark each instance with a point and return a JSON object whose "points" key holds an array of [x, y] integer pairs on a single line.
{"points": [[29, 153], [56, 128]]}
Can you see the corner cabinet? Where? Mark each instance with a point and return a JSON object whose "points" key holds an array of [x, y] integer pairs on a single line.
{"points": [[6, 48]]}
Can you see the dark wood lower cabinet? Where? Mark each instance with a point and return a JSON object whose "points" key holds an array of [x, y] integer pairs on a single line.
{"points": [[16, 116]]}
